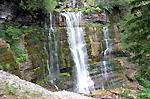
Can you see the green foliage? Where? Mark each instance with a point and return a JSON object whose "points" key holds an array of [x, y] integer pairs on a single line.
{"points": [[91, 9], [12, 87], [38, 68], [25, 43], [76, 9], [35, 5], [121, 5], [136, 39], [120, 57], [104, 6], [145, 94], [1, 67], [142, 81], [7, 66], [64, 74], [46, 79], [11, 32], [87, 11], [121, 22], [21, 56], [125, 94], [90, 2], [57, 10]]}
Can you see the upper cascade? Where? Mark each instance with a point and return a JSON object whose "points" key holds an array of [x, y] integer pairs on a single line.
{"points": [[77, 45]]}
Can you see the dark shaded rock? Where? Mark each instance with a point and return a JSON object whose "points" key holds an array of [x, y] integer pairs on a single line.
{"points": [[65, 70], [8, 10], [99, 22], [120, 53]]}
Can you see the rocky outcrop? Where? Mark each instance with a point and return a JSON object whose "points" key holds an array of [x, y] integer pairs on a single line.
{"points": [[12, 87], [7, 10], [116, 93]]}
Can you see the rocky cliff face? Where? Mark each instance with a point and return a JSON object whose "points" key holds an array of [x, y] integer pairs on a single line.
{"points": [[33, 43]]}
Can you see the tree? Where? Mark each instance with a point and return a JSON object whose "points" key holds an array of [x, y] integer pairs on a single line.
{"points": [[137, 36], [35, 5]]}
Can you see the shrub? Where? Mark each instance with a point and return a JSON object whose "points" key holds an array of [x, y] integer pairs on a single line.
{"points": [[7, 66], [36, 5], [12, 36]]}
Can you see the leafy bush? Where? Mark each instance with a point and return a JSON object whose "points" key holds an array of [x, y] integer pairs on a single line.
{"points": [[104, 6], [7, 66], [35, 5], [21, 56], [64, 74], [1, 67], [145, 94], [141, 80], [136, 39], [91, 9], [11, 32], [38, 68], [57, 10], [109, 6]]}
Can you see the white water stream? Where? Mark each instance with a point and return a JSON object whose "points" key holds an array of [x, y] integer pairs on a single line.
{"points": [[105, 63], [52, 59], [77, 45]]}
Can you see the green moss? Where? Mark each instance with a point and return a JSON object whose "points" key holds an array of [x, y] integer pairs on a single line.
{"points": [[8, 62], [88, 42]]}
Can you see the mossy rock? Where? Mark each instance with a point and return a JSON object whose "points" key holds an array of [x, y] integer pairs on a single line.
{"points": [[7, 58]]}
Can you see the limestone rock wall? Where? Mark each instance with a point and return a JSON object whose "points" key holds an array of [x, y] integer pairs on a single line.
{"points": [[35, 41]]}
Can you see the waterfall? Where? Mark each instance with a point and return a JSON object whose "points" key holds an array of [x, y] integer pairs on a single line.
{"points": [[105, 63], [52, 59], [77, 45]]}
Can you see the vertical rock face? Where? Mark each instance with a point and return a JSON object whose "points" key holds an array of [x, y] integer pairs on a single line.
{"points": [[36, 41]]}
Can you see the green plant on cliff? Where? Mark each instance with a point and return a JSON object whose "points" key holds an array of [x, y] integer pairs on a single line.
{"points": [[57, 10], [88, 10], [1, 67], [104, 6], [136, 38], [64, 74], [145, 94], [7, 66], [120, 5], [11, 33], [94, 25]]}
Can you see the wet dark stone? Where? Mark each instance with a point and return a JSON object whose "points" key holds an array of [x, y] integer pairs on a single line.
{"points": [[67, 69]]}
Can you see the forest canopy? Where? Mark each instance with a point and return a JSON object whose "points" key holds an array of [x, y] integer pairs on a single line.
{"points": [[35, 5], [136, 38]]}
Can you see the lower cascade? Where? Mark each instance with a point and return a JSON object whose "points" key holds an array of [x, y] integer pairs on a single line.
{"points": [[106, 62], [77, 45], [52, 56]]}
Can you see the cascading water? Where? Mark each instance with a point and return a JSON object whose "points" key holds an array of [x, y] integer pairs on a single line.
{"points": [[105, 63], [77, 45], [52, 59]]}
